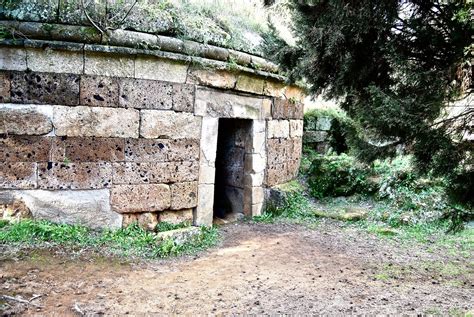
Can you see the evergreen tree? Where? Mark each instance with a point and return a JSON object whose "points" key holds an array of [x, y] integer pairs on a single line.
{"points": [[396, 65]]}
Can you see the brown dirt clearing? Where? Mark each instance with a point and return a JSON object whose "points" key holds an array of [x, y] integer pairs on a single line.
{"points": [[257, 269]]}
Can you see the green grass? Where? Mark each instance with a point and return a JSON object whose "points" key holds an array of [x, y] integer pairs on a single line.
{"points": [[129, 241]]}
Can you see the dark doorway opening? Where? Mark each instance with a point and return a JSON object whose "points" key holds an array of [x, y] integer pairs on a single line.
{"points": [[232, 142]]}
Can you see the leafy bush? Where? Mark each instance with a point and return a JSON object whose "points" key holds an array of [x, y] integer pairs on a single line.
{"points": [[334, 175]]}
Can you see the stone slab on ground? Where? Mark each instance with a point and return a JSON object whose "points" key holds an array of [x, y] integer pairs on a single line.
{"points": [[179, 236]]}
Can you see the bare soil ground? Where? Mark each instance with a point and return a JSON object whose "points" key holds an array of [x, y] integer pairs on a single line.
{"points": [[256, 269]]}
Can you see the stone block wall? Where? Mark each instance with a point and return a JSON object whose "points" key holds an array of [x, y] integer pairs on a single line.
{"points": [[104, 138]]}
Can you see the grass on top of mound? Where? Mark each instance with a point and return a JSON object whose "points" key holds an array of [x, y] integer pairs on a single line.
{"points": [[130, 241]]}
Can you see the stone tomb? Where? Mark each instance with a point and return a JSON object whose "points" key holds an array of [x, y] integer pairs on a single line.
{"points": [[104, 137]]}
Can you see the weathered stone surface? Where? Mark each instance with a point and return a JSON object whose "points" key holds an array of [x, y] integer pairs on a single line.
{"points": [[213, 78], [25, 149], [13, 58], [78, 149], [207, 174], [160, 69], [4, 87], [140, 198], [160, 150], [276, 174], [296, 128], [240, 58], [250, 83], [13, 209], [96, 121], [315, 136], [204, 210], [183, 97], [274, 88], [24, 121], [279, 150], [108, 65], [90, 208], [147, 220], [55, 61], [184, 195], [74, 175], [263, 64], [298, 111], [154, 172], [281, 108], [128, 38], [176, 216], [45, 88], [72, 12], [255, 163], [254, 179], [179, 236], [30, 10], [295, 93], [99, 91], [266, 112], [218, 104], [209, 131], [59, 32], [296, 148], [145, 94], [278, 129], [17, 175], [169, 125], [128, 219], [257, 210]]}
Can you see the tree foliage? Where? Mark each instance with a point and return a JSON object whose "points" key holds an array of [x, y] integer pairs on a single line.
{"points": [[396, 66]]}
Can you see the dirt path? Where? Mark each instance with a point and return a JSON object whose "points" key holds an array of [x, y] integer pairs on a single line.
{"points": [[258, 269]]}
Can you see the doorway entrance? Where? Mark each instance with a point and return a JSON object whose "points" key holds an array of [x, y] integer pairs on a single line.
{"points": [[232, 145]]}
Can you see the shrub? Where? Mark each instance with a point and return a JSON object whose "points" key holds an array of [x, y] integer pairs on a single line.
{"points": [[334, 175]]}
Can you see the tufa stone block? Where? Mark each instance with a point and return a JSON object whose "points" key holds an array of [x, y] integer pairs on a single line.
{"points": [[96, 121], [154, 172], [79, 175], [13, 58], [25, 149], [45, 88], [21, 175], [161, 150], [24, 121], [99, 91], [183, 97], [213, 78], [176, 216], [55, 61], [145, 94], [169, 125], [278, 129], [160, 69], [184, 195], [4, 87], [90, 208], [296, 128], [108, 65], [78, 149], [140, 198], [249, 83]]}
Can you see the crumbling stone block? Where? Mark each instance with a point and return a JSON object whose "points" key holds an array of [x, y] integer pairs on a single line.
{"points": [[140, 198], [214, 78], [45, 88], [184, 195], [99, 91], [79, 175]]}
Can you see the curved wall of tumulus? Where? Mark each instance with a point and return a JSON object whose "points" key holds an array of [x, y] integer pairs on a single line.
{"points": [[103, 135]]}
